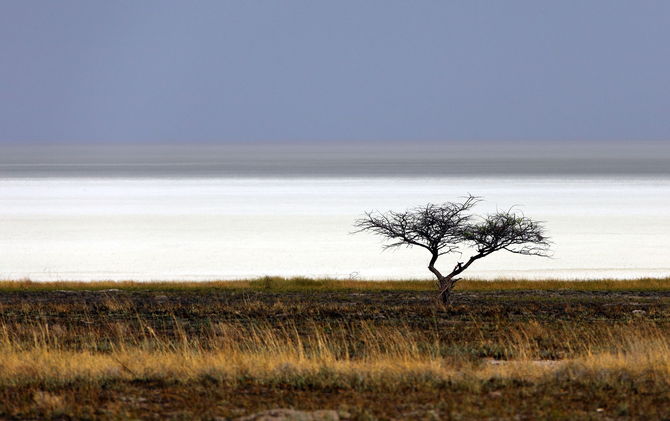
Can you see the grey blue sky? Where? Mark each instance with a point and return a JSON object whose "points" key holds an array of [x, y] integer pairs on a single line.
{"points": [[272, 71]]}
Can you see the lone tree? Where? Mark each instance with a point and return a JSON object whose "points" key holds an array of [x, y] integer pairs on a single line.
{"points": [[451, 228]]}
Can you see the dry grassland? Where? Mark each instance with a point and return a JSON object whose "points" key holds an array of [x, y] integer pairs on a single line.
{"points": [[504, 350]]}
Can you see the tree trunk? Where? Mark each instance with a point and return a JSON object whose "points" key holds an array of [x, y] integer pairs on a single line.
{"points": [[446, 285]]}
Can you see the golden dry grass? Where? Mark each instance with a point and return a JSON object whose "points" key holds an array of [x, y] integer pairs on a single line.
{"points": [[359, 355], [276, 283]]}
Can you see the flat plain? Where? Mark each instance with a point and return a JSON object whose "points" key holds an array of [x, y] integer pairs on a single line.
{"points": [[364, 350]]}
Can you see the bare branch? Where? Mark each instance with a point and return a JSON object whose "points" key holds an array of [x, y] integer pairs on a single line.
{"points": [[508, 230], [435, 227]]}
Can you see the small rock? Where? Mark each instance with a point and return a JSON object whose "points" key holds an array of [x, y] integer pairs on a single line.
{"points": [[344, 414], [292, 415], [639, 312]]}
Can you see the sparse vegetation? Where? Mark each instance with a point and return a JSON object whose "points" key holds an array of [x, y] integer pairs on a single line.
{"points": [[507, 350], [278, 283]]}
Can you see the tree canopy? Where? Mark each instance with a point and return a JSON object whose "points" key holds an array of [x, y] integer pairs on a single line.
{"points": [[452, 228]]}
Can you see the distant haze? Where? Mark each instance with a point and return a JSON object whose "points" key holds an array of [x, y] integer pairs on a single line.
{"points": [[342, 159]]}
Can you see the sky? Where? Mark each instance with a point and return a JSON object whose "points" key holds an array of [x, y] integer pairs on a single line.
{"points": [[129, 71]]}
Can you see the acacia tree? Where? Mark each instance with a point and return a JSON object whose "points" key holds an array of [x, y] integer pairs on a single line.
{"points": [[451, 228]]}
